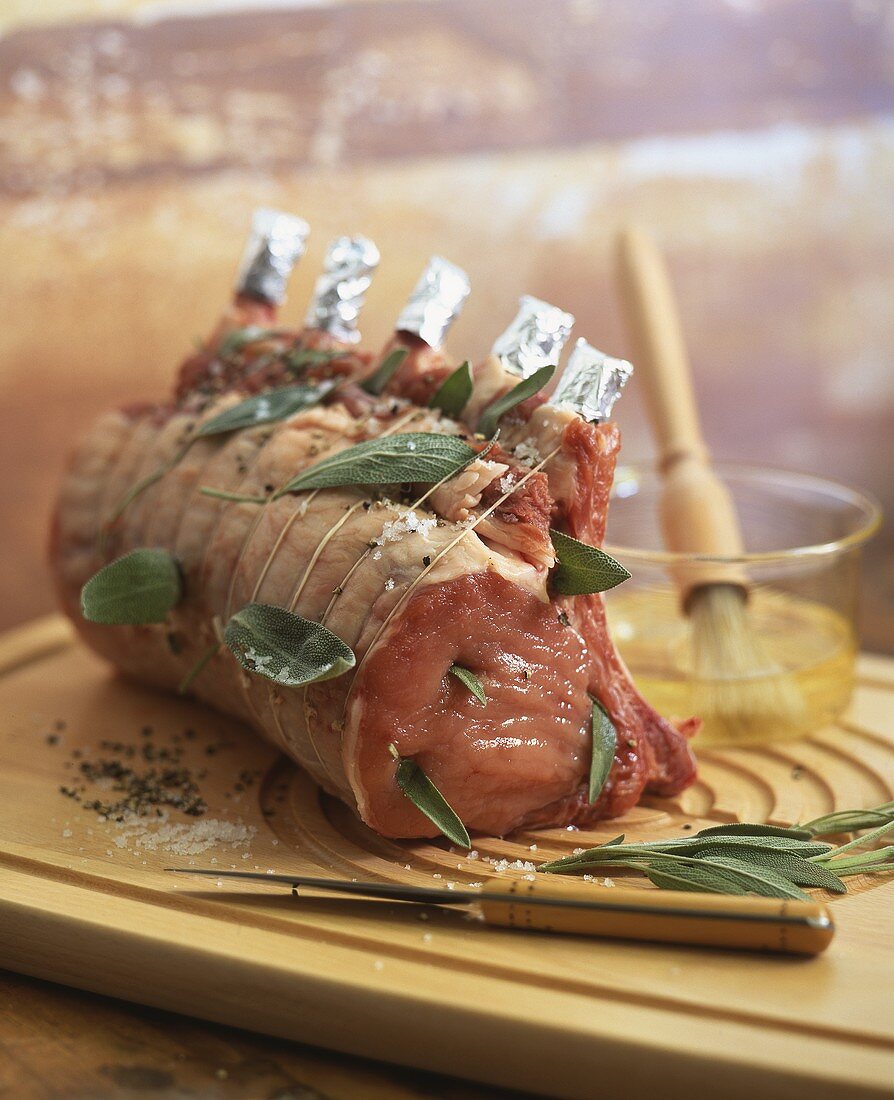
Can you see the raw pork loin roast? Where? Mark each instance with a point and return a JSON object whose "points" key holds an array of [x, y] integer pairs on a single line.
{"points": [[414, 578]]}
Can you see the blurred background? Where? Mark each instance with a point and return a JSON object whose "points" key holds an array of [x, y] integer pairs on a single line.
{"points": [[754, 138]]}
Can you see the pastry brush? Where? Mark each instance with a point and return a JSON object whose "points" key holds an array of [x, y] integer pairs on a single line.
{"points": [[740, 690]]}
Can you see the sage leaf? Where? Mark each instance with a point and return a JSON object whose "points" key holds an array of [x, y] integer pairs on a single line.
{"points": [[240, 338], [298, 360], [605, 741], [723, 877], [199, 667], [285, 648], [859, 841], [583, 569], [757, 880], [380, 378], [139, 588], [697, 844], [225, 494], [387, 460], [470, 680], [264, 408], [740, 829], [426, 797], [454, 392], [850, 821], [791, 866], [134, 491], [490, 417]]}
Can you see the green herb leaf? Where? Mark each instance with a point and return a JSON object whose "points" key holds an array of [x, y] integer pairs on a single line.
{"points": [[471, 682], [380, 378], [859, 841], [850, 821], [133, 590], [241, 337], [605, 741], [490, 417], [739, 829], [264, 408], [225, 494], [387, 460], [284, 647], [724, 876], [863, 863], [454, 392], [583, 569], [133, 492], [426, 797], [788, 864], [299, 360]]}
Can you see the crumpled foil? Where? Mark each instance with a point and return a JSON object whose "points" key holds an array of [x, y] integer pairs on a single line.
{"points": [[591, 382], [340, 290], [535, 338], [275, 244], [435, 302]]}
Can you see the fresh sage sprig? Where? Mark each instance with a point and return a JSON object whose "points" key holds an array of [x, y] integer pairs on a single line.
{"points": [[453, 394], [426, 797], [605, 741], [582, 569], [263, 408], [490, 417], [387, 460], [285, 648], [744, 858], [139, 588], [380, 378], [469, 680]]}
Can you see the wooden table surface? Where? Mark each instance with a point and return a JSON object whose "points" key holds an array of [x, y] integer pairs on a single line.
{"points": [[62, 1043]]}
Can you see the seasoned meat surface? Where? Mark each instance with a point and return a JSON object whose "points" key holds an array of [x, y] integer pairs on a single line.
{"points": [[414, 579]]}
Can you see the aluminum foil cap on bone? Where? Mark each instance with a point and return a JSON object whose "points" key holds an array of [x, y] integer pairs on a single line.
{"points": [[535, 338], [435, 302], [275, 244], [591, 382], [340, 290]]}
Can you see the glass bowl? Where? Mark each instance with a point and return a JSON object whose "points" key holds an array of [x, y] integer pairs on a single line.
{"points": [[794, 670]]}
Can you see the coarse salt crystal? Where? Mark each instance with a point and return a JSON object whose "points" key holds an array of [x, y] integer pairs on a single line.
{"points": [[389, 584], [527, 453]]}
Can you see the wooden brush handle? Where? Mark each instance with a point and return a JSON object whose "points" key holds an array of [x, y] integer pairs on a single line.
{"points": [[697, 512]]}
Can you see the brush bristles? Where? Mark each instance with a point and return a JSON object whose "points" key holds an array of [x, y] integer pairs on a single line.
{"points": [[742, 691]]}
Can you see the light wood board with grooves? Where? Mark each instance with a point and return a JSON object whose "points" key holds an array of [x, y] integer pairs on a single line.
{"points": [[81, 902]]}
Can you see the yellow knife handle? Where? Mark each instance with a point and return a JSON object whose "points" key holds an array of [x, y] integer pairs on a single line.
{"points": [[709, 920]]}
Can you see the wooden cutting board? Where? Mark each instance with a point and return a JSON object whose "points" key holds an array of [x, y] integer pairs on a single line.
{"points": [[86, 902]]}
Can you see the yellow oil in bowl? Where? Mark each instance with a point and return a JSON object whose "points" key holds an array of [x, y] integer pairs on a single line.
{"points": [[789, 668], [809, 650]]}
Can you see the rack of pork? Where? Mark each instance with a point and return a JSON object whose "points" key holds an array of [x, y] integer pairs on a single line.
{"points": [[416, 579]]}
